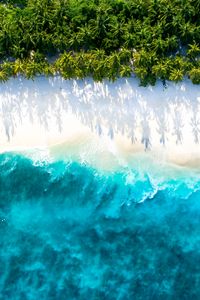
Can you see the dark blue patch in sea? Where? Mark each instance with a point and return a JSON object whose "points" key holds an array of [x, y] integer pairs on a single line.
{"points": [[69, 231]]}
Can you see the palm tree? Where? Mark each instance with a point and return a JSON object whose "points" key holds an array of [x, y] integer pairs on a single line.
{"points": [[100, 26], [144, 58], [194, 50], [18, 67], [194, 75], [187, 32], [125, 56], [3, 76], [130, 40], [18, 51], [141, 72], [171, 43], [113, 65], [48, 70], [66, 64], [159, 46], [176, 75], [160, 70], [75, 41], [116, 32], [82, 65], [8, 68], [125, 71], [180, 63], [99, 68], [31, 69]]}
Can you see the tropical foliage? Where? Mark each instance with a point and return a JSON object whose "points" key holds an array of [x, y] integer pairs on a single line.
{"points": [[101, 38]]}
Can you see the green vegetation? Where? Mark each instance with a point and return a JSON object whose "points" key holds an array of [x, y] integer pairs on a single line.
{"points": [[101, 38]]}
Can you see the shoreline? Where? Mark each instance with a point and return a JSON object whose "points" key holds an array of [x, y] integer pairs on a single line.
{"points": [[120, 118]]}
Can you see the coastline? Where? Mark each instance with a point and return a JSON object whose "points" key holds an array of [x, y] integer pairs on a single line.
{"points": [[114, 121]]}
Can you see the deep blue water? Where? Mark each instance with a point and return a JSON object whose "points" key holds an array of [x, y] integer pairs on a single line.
{"points": [[69, 231]]}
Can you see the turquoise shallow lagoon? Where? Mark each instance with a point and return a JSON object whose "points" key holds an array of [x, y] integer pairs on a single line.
{"points": [[71, 231]]}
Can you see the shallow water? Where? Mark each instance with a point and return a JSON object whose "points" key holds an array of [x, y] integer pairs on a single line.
{"points": [[71, 231]]}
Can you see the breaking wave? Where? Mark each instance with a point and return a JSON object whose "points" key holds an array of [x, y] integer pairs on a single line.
{"points": [[71, 231]]}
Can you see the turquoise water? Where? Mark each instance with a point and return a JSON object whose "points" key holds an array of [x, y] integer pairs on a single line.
{"points": [[70, 231]]}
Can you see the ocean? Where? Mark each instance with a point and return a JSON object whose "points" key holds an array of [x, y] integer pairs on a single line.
{"points": [[72, 231]]}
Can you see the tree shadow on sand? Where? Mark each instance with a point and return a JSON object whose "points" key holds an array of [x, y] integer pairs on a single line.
{"points": [[106, 108]]}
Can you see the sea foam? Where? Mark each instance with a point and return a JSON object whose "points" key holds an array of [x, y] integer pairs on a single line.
{"points": [[71, 231]]}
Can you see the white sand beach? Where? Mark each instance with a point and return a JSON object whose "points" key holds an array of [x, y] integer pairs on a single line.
{"points": [[106, 120]]}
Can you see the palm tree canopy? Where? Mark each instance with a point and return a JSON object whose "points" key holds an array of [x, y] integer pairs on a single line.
{"points": [[116, 37]]}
